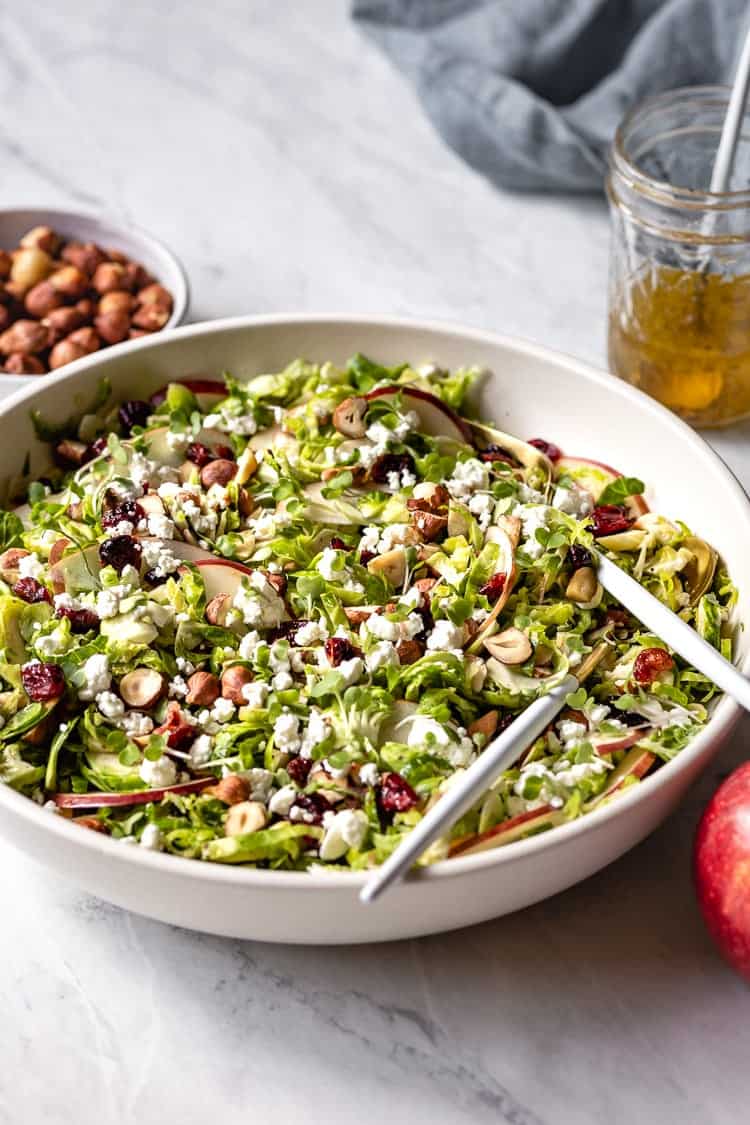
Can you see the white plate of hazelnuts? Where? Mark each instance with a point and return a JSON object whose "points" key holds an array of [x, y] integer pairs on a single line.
{"points": [[73, 283]]}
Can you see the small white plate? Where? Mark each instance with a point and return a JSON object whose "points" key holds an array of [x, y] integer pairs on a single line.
{"points": [[81, 226]]}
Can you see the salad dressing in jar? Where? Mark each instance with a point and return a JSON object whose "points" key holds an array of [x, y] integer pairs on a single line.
{"points": [[679, 303]]}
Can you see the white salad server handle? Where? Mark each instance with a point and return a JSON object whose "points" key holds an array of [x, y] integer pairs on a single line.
{"points": [[497, 756], [673, 631]]}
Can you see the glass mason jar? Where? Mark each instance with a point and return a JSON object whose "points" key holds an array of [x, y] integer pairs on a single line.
{"points": [[679, 288]]}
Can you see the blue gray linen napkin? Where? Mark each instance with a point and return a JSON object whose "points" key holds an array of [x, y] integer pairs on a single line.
{"points": [[530, 92]]}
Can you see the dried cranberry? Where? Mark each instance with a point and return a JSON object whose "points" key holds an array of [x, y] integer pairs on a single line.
{"points": [[620, 618], [120, 551], [298, 768], [154, 578], [608, 519], [494, 588], [395, 794], [43, 681], [313, 807], [366, 556], [226, 452], [31, 591], [650, 664], [128, 511], [134, 413], [177, 731], [199, 454], [338, 544], [504, 722], [549, 448], [81, 620], [497, 453], [338, 649], [97, 447], [578, 557], [389, 463], [630, 718]]}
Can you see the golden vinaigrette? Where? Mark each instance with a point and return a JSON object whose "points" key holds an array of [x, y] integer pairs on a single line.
{"points": [[684, 338]]}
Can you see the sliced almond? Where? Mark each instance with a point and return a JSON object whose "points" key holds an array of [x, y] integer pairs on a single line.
{"points": [[142, 688], [349, 417], [583, 585], [512, 646], [391, 565], [244, 817]]}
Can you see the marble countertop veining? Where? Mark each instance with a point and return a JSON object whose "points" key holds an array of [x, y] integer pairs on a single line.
{"points": [[291, 169]]}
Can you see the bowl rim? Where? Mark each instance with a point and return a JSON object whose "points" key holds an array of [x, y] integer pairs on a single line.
{"points": [[718, 727], [181, 299]]}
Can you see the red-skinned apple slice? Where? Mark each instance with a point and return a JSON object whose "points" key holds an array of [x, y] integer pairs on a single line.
{"points": [[135, 797], [510, 830], [207, 391], [637, 762], [594, 476], [79, 569], [527, 455], [436, 418], [606, 744], [221, 576]]}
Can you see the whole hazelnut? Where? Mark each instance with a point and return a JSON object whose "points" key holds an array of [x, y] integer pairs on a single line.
{"points": [[117, 300], [4, 318], [26, 336], [151, 317], [5, 263], [19, 364], [42, 238], [232, 789], [66, 351], [87, 338], [155, 294], [220, 472], [86, 308], [117, 256], [86, 256], [203, 689], [30, 264], [70, 282], [112, 326], [217, 609], [42, 298], [136, 333], [63, 321], [136, 276], [108, 276], [233, 680]]}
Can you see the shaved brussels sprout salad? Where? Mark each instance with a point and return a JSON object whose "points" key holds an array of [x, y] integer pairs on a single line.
{"points": [[271, 623]]}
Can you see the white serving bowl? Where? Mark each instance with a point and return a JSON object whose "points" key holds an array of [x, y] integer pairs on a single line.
{"points": [[107, 232], [533, 392]]}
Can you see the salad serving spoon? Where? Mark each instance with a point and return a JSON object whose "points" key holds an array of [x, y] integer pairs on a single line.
{"points": [[502, 752]]}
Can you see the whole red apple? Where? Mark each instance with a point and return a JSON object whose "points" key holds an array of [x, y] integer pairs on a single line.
{"points": [[721, 867]]}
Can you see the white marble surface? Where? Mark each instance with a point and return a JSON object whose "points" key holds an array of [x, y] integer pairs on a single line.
{"points": [[291, 169]]}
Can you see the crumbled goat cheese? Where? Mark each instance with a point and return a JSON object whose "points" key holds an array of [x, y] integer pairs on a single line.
{"points": [[161, 526], [136, 724], [282, 800], [178, 442], [330, 566], [110, 705], [30, 566], [379, 626], [468, 477], [259, 604], [574, 501], [230, 423], [223, 710], [151, 838], [255, 694], [200, 750], [369, 774], [286, 732], [351, 670], [317, 730], [446, 637], [346, 829], [97, 677], [52, 644], [313, 632], [158, 774], [381, 656], [260, 782], [249, 644]]}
